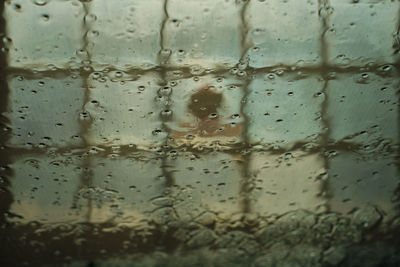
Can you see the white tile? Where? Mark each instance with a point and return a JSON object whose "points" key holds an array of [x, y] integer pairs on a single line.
{"points": [[208, 181], [125, 34], [124, 110], [205, 33], [45, 110], [282, 32], [286, 182], [356, 181], [130, 183], [44, 189], [44, 36], [363, 32], [286, 109], [363, 102]]}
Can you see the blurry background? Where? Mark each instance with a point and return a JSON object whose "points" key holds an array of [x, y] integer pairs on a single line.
{"points": [[263, 129]]}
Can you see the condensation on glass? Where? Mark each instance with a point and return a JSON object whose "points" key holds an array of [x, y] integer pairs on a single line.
{"points": [[200, 133]]}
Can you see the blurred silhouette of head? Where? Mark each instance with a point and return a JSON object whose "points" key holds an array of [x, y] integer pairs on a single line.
{"points": [[204, 102]]}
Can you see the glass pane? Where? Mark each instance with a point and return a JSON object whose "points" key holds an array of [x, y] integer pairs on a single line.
{"points": [[199, 133]]}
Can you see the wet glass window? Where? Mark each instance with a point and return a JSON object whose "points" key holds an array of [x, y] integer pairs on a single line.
{"points": [[199, 133]]}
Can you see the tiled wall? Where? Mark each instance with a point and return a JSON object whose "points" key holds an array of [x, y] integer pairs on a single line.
{"points": [[99, 93]]}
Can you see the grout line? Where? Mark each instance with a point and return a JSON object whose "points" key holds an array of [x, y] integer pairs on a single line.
{"points": [[170, 181], [244, 31], [127, 150], [246, 183], [323, 10], [396, 41], [397, 63], [86, 178], [218, 70], [85, 76], [86, 28], [246, 186], [5, 130], [161, 61]]}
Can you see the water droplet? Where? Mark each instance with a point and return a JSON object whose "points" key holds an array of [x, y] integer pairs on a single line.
{"points": [[318, 94], [386, 68], [166, 91], [94, 33], [17, 7], [235, 116], [165, 52], [241, 73], [243, 65], [96, 75], [45, 17], [213, 116], [40, 2], [156, 131], [288, 156], [166, 113]]}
